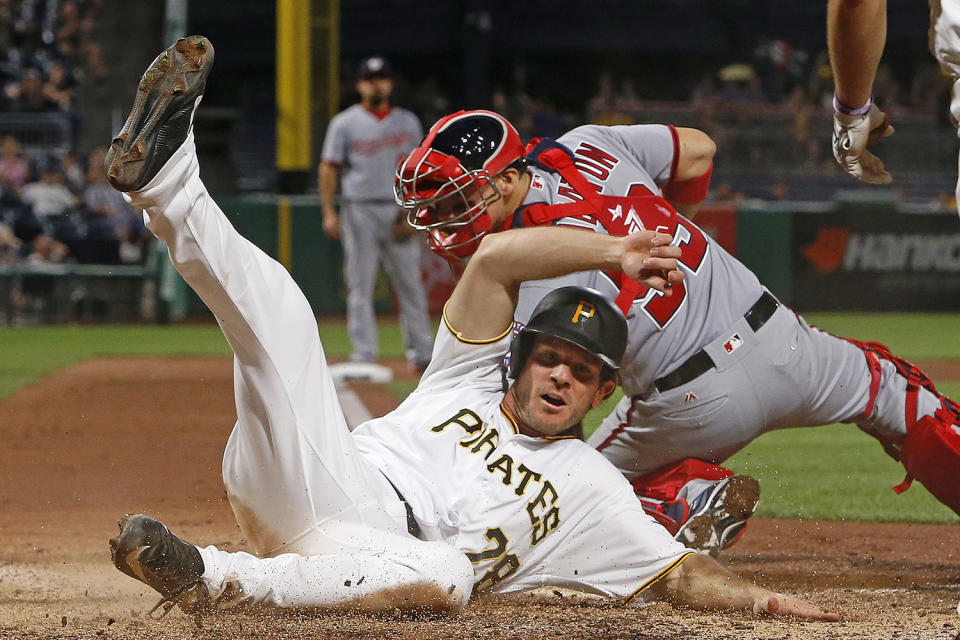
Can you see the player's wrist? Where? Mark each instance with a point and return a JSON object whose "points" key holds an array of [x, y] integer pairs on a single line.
{"points": [[841, 108]]}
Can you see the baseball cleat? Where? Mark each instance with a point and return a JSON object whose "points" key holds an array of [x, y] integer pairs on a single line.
{"points": [[146, 550], [718, 522], [162, 113]]}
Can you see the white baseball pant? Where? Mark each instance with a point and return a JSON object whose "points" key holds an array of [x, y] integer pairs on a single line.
{"points": [[328, 527]]}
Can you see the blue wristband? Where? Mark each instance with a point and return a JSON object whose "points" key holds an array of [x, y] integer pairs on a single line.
{"points": [[841, 108]]}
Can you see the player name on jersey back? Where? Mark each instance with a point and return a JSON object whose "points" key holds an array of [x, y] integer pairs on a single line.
{"points": [[664, 331]]}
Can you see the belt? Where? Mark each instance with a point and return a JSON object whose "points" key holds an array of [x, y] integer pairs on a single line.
{"points": [[412, 527], [701, 362]]}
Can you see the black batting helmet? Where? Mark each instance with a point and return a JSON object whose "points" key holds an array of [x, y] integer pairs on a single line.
{"points": [[580, 316]]}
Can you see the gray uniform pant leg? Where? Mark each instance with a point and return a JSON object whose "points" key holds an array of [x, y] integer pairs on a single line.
{"points": [[787, 374], [403, 262], [359, 230]]}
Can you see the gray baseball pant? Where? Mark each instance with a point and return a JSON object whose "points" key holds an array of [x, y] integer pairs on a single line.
{"points": [[366, 231]]}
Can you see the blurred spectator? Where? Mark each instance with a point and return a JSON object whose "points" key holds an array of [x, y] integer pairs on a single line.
{"points": [[726, 194], [110, 219], [780, 67], [59, 86], [779, 190], [72, 34], [48, 198], [47, 249], [14, 169], [45, 46], [29, 95], [75, 177], [9, 245], [739, 83]]}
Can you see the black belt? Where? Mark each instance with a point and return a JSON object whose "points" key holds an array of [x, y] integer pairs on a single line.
{"points": [[701, 362], [412, 527]]}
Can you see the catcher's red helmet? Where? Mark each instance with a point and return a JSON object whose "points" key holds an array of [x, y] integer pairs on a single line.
{"points": [[438, 180]]}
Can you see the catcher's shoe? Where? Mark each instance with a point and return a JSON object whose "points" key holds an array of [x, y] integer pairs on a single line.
{"points": [[162, 113], [146, 550], [720, 515]]}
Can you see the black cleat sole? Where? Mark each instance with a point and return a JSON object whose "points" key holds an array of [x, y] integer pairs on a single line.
{"points": [[161, 115]]}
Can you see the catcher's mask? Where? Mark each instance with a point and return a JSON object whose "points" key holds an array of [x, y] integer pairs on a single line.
{"points": [[446, 184], [580, 316]]}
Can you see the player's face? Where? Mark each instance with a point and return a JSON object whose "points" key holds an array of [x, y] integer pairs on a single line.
{"points": [[375, 90], [456, 204], [558, 386]]}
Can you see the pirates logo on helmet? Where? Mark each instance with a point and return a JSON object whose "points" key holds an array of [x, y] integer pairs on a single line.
{"points": [[580, 316], [446, 183]]}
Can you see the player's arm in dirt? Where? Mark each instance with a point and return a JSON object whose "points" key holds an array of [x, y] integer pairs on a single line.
{"points": [[689, 186], [327, 175], [701, 583], [856, 35], [482, 304]]}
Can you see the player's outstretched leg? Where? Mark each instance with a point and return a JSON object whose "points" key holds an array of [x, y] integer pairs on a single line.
{"points": [[302, 491], [147, 551], [719, 515], [160, 120]]}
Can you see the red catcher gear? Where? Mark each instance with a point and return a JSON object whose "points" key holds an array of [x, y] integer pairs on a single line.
{"points": [[658, 489], [931, 451], [455, 161]]}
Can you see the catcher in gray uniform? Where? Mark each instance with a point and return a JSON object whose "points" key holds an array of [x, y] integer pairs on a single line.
{"points": [[707, 369], [364, 143]]}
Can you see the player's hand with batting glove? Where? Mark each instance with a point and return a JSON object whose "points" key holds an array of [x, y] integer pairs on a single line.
{"points": [[650, 259], [853, 134]]}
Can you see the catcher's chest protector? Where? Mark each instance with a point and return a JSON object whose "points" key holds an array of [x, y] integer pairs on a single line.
{"points": [[617, 214]]}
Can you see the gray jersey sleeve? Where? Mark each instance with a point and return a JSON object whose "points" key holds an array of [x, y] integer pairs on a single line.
{"points": [[652, 146], [335, 142]]}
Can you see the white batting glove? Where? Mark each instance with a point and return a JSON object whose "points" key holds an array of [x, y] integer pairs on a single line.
{"points": [[852, 134]]}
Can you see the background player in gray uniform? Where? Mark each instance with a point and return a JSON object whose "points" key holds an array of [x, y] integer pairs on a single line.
{"points": [[500, 494], [707, 369], [362, 147]]}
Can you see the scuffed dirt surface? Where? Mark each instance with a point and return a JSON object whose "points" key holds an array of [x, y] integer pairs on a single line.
{"points": [[110, 436]]}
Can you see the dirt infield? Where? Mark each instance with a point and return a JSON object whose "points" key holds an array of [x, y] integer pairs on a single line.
{"points": [[110, 436]]}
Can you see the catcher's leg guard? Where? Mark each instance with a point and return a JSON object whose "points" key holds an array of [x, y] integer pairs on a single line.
{"points": [[665, 483], [931, 454], [670, 513], [658, 491]]}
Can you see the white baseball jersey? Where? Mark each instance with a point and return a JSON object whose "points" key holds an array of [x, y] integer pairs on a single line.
{"points": [[527, 511], [313, 499], [664, 332], [369, 148]]}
